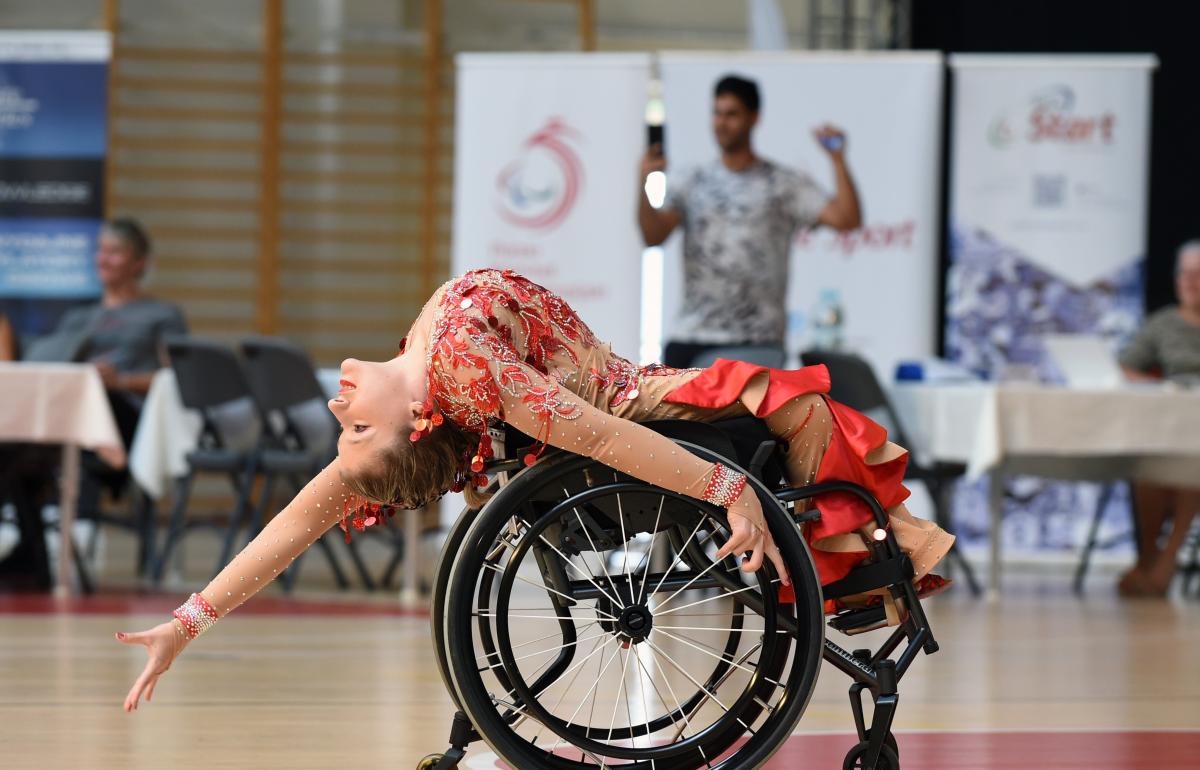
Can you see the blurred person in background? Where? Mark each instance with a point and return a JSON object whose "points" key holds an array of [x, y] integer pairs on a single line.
{"points": [[739, 215], [1166, 347], [122, 335]]}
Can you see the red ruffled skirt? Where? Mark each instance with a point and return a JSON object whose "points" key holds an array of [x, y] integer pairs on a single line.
{"points": [[853, 437]]}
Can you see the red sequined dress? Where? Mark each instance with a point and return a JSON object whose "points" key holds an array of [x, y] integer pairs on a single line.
{"points": [[503, 348]]}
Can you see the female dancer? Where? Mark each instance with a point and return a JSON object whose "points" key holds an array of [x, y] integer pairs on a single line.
{"points": [[493, 346]]}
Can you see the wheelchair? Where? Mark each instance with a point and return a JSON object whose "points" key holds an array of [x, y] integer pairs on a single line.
{"points": [[581, 619]]}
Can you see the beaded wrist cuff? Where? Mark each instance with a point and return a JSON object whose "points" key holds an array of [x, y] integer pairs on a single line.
{"points": [[724, 486], [196, 615]]}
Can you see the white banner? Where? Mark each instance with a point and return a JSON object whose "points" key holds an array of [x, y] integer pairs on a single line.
{"points": [[546, 154], [890, 106], [1048, 203], [1047, 236]]}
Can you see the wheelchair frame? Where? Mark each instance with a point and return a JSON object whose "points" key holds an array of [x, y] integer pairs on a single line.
{"points": [[874, 672]]}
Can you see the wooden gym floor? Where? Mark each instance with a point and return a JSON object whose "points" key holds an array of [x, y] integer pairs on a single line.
{"points": [[1039, 680]]}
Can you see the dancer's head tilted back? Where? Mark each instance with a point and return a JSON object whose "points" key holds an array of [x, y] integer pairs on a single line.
{"points": [[379, 407]]}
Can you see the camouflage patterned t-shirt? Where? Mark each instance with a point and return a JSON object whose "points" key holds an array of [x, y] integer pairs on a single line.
{"points": [[737, 233]]}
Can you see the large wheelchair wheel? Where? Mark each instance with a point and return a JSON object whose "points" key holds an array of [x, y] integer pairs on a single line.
{"points": [[568, 648]]}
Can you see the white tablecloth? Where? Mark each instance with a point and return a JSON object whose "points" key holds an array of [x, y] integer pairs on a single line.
{"points": [[62, 404], [58, 404], [983, 425], [1146, 431]]}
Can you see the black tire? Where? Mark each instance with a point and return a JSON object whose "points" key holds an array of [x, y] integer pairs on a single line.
{"points": [[888, 757], [793, 649], [437, 601]]}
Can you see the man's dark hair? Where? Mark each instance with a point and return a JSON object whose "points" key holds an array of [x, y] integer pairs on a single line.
{"points": [[745, 90], [132, 233]]}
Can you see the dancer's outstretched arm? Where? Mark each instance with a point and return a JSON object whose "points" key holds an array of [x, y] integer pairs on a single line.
{"points": [[317, 508]]}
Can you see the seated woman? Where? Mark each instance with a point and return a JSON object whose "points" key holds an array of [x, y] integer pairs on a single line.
{"points": [[121, 334], [1167, 346], [492, 346]]}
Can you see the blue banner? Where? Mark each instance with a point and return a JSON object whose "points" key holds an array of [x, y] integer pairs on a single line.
{"points": [[53, 139]]}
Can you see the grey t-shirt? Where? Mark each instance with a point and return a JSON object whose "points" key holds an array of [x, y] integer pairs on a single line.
{"points": [[737, 233], [1167, 342], [128, 336]]}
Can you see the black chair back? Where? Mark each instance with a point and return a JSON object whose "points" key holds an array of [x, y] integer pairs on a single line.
{"points": [[285, 386], [853, 383], [211, 381], [280, 374]]}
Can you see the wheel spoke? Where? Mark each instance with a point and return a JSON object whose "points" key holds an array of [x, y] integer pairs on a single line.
{"points": [[595, 684], [620, 687], [546, 617], [567, 689], [686, 586], [711, 598], [722, 658], [545, 587], [690, 678], [635, 652], [595, 550], [586, 576], [624, 545], [561, 646], [650, 551], [687, 725], [675, 560]]}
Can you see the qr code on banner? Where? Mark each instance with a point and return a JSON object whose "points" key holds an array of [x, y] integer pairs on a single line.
{"points": [[1049, 191]]}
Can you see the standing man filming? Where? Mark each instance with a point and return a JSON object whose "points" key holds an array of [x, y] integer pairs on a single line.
{"points": [[739, 215]]}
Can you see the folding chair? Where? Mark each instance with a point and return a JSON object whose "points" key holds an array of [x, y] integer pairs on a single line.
{"points": [[211, 382], [299, 436]]}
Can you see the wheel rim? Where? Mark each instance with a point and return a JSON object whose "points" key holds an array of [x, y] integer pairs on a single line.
{"points": [[634, 713]]}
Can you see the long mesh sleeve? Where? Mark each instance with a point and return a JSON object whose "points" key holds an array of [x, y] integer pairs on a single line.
{"points": [[537, 405], [317, 508]]}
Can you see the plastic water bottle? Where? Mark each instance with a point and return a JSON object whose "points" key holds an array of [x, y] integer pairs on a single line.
{"points": [[828, 321]]}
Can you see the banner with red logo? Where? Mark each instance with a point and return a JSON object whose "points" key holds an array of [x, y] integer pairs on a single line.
{"points": [[546, 153], [880, 280]]}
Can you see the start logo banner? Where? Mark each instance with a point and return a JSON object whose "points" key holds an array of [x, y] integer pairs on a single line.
{"points": [[1050, 156], [546, 154]]}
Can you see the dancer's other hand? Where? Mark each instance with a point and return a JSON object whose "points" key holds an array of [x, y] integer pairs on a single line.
{"points": [[163, 644], [748, 532]]}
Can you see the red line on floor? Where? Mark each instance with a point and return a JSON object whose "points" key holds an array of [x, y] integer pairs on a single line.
{"points": [[152, 603], [1116, 750]]}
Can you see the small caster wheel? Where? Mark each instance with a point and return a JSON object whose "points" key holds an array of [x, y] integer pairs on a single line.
{"points": [[856, 757], [429, 762]]}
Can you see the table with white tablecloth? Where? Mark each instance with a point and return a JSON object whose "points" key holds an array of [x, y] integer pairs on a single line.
{"points": [[62, 404], [1149, 432]]}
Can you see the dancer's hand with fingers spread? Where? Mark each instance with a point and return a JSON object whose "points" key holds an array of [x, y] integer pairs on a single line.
{"points": [[163, 644], [748, 532]]}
